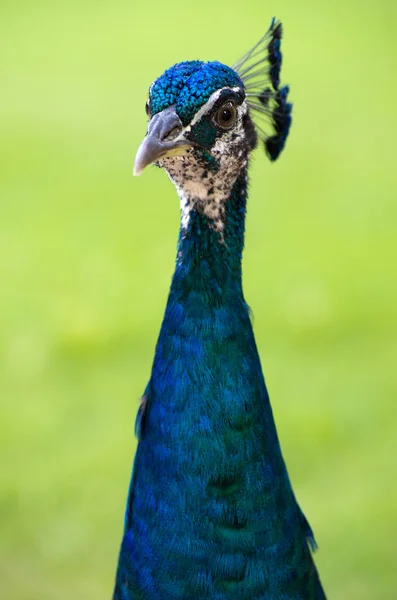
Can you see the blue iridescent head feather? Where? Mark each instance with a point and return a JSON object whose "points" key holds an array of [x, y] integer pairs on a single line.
{"points": [[189, 85]]}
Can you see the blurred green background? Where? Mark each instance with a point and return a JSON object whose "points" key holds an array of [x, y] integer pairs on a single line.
{"points": [[86, 255]]}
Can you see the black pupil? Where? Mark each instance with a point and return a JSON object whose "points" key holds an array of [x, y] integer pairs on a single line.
{"points": [[226, 115]]}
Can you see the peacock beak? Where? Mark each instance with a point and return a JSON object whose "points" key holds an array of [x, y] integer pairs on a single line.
{"points": [[164, 138]]}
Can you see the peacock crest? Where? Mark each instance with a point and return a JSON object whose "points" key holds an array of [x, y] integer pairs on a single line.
{"points": [[259, 69]]}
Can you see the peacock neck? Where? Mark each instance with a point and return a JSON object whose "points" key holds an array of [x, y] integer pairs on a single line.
{"points": [[210, 247]]}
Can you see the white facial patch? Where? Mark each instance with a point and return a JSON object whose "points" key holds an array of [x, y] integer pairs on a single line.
{"points": [[199, 187]]}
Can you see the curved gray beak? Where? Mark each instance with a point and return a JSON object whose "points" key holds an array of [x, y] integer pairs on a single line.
{"points": [[164, 138]]}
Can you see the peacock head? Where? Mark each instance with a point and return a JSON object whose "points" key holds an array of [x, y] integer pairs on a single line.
{"points": [[205, 118]]}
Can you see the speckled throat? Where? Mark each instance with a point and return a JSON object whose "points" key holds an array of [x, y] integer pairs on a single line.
{"points": [[211, 242], [204, 183]]}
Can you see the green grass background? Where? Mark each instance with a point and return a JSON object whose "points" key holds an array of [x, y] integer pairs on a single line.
{"points": [[86, 255]]}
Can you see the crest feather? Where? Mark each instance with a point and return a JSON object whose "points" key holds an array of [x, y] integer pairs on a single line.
{"points": [[259, 69]]}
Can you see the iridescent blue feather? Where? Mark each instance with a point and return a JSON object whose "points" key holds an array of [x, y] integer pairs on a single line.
{"points": [[211, 512]]}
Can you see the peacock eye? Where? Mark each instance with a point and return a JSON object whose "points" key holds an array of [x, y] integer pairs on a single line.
{"points": [[147, 108], [226, 115]]}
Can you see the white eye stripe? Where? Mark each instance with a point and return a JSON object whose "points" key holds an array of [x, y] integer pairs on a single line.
{"points": [[209, 105]]}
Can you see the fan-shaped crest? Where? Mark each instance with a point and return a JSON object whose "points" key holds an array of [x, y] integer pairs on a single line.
{"points": [[259, 69]]}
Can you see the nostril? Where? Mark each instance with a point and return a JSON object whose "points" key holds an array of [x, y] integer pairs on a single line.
{"points": [[170, 134]]}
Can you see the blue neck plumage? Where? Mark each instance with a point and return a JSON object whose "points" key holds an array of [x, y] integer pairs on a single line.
{"points": [[209, 253]]}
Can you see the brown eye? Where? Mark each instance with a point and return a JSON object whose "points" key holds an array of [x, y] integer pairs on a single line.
{"points": [[147, 108], [226, 115]]}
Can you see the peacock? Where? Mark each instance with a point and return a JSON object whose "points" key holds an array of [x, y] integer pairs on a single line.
{"points": [[211, 512]]}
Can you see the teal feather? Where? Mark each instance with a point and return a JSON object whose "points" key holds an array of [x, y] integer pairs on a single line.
{"points": [[211, 512]]}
